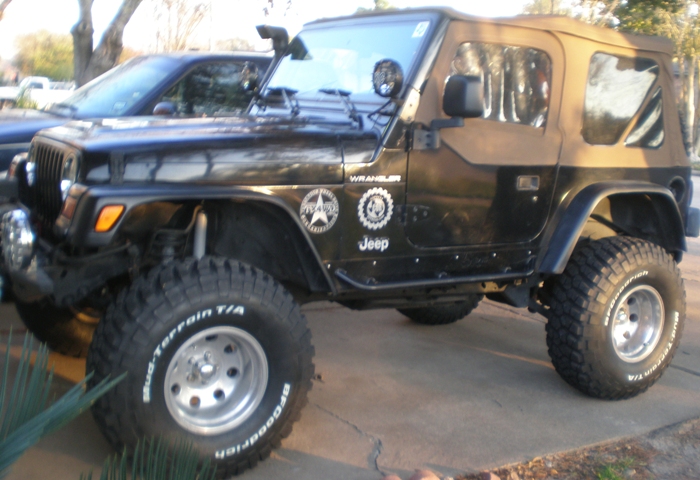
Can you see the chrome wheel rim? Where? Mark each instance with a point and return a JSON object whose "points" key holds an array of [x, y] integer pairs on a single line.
{"points": [[638, 322], [216, 380]]}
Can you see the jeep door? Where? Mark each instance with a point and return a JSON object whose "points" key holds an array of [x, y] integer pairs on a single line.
{"points": [[490, 181]]}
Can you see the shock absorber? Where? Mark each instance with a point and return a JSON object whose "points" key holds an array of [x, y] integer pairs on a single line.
{"points": [[200, 235]]}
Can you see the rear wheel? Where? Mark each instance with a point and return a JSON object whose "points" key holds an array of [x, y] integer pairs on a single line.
{"points": [[217, 352], [443, 314], [616, 317]]}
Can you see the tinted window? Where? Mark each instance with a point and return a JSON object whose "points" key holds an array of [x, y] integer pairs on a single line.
{"points": [[113, 93], [516, 80], [213, 89], [616, 89]]}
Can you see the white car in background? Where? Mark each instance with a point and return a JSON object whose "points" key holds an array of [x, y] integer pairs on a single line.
{"points": [[41, 90]]}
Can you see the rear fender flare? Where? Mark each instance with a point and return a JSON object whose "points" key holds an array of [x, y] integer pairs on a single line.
{"points": [[572, 221]]}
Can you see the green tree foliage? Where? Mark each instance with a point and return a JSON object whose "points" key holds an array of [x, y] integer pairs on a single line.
{"points": [[547, 7], [235, 44], [646, 16], [45, 54], [378, 5]]}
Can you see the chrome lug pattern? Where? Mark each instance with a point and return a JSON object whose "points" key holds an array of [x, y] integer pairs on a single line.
{"points": [[216, 380], [638, 323]]}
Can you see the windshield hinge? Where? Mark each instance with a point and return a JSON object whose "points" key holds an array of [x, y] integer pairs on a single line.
{"points": [[116, 168]]}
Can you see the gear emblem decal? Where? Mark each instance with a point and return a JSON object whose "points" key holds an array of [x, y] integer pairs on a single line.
{"points": [[319, 210], [375, 208]]}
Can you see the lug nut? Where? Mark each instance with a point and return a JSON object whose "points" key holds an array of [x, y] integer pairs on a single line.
{"points": [[194, 401]]}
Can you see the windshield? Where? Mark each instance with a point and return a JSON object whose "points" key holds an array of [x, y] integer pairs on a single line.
{"points": [[113, 93], [343, 57]]}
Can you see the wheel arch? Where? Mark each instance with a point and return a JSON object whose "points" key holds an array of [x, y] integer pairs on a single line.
{"points": [[144, 213], [644, 210], [264, 235]]}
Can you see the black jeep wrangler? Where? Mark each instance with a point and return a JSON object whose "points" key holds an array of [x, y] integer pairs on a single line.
{"points": [[418, 160]]}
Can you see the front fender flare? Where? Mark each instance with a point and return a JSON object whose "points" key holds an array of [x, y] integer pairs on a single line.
{"points": [[81, 232]]}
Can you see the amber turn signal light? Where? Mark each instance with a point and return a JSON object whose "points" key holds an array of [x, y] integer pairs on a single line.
{"points": [[108, 217]]}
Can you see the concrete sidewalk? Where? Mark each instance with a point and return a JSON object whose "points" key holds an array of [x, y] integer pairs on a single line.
{"points": [[393, 396]]}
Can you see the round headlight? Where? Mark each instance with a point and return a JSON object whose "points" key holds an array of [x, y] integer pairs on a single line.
{"points": [[17, 239], [71, 166]]}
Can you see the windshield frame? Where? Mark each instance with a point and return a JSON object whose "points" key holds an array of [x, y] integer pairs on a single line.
{"points": [[416, 67]]}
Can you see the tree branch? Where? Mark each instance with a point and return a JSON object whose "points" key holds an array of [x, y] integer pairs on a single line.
{"points": [[107, 53]]}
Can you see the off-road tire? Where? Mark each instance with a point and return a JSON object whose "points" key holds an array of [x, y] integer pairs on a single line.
{"points": [[150, 323], [589, 320], [443, 314], [64, 330]]}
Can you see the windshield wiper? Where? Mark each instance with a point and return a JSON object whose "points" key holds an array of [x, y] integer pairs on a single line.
{"points": [[289, 96], [348, 105]]}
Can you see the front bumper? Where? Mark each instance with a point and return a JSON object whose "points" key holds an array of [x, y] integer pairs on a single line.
{"points": [[37, 269], [21, 259]]}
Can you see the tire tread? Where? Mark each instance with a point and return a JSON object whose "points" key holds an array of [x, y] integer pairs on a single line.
{"points": [[161, 289]]}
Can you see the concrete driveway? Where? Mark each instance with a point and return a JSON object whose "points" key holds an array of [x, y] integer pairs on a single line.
{"points": [[393, 396]]}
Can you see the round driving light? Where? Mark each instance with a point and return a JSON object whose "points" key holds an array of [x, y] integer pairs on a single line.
{"points": [[387, 78], [17, 239], [70, 174]]}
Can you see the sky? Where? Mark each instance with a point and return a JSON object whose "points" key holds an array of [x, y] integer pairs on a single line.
{"points": [[229, 18]]}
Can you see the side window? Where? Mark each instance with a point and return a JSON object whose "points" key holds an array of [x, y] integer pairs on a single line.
{"points": [[649, 130], [516, 80], [616, 89], [212, 89]]}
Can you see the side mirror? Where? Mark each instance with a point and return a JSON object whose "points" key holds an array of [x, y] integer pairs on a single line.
{"points": [[464, 97], [387, 78], [165, 108]]}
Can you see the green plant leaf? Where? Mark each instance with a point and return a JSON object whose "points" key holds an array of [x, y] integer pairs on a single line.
{"points": [[159, 459], [25, 418]]}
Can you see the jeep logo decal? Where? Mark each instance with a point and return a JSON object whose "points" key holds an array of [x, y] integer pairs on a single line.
{"points": [[368, 244], [319, 210], [375, 208]]}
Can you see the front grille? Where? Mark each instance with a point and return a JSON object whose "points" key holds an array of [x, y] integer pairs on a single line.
{"points": [[47, 198]]}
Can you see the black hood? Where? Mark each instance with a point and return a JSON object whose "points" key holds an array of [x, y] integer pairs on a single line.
{"points": [[242, 150], [155, 134]]}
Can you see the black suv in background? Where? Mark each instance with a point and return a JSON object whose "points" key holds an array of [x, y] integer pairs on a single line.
{"points": [[184, 83]]}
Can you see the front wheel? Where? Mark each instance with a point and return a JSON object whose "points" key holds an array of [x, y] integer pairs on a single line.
{"points": [[616, 317], [217, 352]]}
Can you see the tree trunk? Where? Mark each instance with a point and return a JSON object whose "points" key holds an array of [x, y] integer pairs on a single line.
{"points": [[82, 41], [88, 63], [3, 6], [690, 103], [696, 121]]}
